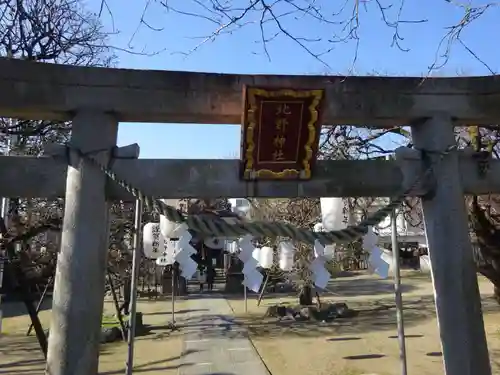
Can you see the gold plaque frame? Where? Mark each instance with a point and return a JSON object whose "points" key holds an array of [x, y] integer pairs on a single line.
{"points": [[251, 124]]}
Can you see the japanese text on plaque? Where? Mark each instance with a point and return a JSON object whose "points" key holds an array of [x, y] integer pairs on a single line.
{"points": [[282, 112]]}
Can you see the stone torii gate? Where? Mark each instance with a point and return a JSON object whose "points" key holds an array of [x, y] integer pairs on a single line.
{"points": [[97, 99]]}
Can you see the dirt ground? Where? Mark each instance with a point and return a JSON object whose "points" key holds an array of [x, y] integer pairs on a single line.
{"points": [[156, 353], [366, 344]]}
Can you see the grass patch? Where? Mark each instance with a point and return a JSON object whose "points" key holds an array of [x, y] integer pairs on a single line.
{"points": [[110, 321], [416, 275]]}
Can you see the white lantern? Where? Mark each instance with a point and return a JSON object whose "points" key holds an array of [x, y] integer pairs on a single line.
{"points": [[170, 229], [171, 248], [332, 213], [167, 258], [266, 257], [287, 251], [153, 241], [333, 218]]}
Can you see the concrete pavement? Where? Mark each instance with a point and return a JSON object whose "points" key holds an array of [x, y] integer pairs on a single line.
{"points": [[213, 343]]}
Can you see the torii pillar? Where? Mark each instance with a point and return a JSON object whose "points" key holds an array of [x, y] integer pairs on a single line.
{"points": [[77, 306], [454, 273]]}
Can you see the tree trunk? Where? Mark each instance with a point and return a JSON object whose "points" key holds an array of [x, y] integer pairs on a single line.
{"points": [[306, 296]]}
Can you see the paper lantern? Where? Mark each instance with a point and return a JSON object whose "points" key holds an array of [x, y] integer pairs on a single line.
{"points": [[286, 251], [266, 257], [171, 249], [332, 213], [165, 260], [170, 229], [153, 241]]}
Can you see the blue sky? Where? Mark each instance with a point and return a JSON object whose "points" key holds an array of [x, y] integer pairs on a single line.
{"points": [[241, 53]]}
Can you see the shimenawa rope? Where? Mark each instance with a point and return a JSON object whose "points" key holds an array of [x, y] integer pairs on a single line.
{"points": [[217, 227]]}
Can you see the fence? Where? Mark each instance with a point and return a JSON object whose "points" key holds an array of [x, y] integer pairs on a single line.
{"points": [[350, 262]]}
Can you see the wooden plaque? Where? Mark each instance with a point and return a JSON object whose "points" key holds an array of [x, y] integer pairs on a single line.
{"points": [[281, 129]]}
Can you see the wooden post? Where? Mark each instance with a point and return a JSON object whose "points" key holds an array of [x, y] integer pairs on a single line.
{"points": [[40, 302], [136, 259], [245, 296], [75, 329], [263, 290], [398, 294], [119, 315], [458, 302]]}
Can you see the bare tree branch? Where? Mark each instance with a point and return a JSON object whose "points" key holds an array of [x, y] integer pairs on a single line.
{"points": [[316, 27]]}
